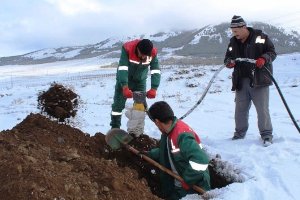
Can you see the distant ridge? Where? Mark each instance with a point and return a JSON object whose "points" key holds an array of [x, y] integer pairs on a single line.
{"points": [[209, 42]]}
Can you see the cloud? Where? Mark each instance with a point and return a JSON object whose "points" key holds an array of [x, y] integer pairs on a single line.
{"points": [[34, 24], [75, 7]]}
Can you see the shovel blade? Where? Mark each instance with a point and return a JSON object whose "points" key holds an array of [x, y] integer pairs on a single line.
{"points": [[116, 138]]}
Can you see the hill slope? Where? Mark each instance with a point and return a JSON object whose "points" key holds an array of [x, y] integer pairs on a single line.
{"points": [[209, 42]]}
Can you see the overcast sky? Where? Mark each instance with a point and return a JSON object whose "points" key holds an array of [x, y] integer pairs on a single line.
{"points": [[31, 25]]}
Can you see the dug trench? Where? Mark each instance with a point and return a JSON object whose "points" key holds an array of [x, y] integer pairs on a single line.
{"points": [[42, 158]]}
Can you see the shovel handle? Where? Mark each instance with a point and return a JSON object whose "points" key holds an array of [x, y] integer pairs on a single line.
{"points": [[156, 164]]}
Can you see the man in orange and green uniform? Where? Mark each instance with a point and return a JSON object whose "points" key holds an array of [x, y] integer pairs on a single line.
{"points": [[181, 151], [132, 72]]}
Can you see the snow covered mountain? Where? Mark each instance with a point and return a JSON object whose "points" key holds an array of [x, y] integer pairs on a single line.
{"points": [[207, 42]]}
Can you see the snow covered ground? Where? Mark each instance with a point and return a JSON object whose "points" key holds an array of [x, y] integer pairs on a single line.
{"points": [[268, 172]]}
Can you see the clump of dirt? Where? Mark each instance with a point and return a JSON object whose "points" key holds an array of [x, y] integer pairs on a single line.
{"points": [[58, 101], [41, 159]]}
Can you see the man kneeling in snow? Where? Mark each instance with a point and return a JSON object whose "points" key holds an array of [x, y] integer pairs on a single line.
{"points": [[181, 151]]}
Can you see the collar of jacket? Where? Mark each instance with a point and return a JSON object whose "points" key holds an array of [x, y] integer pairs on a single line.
{"points": [[174, 122]]}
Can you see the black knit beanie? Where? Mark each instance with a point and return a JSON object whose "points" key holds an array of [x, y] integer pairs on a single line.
{"points": [[162, 111], [145, 46], [237, 22]]}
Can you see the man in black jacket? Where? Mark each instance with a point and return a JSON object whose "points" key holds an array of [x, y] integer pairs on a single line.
{"points": [[250, 81]]}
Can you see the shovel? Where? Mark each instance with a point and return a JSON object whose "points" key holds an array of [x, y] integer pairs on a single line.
{"points": [[116, 138]]}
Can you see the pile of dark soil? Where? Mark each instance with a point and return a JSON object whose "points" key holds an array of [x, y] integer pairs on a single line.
{"points": [[58, 101], [41, 159]]}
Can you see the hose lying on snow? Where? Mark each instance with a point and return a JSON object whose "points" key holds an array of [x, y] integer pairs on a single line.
{"points": [[204, 94]]}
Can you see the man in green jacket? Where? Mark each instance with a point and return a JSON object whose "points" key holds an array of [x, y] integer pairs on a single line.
{"points": [[136, 57], [181, 151]]}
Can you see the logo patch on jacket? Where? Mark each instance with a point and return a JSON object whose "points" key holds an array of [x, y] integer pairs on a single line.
{"points": [[260, 40]]}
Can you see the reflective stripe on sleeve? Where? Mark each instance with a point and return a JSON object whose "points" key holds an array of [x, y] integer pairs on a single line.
{"points": [[200, 145], [123, 68], [175, 150], [197, 166]]}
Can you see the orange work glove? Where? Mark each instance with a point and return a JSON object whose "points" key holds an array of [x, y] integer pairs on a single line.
{"points": [[260, 62], [127, 92], [230, 63], [151, 94], [184, 185]]}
